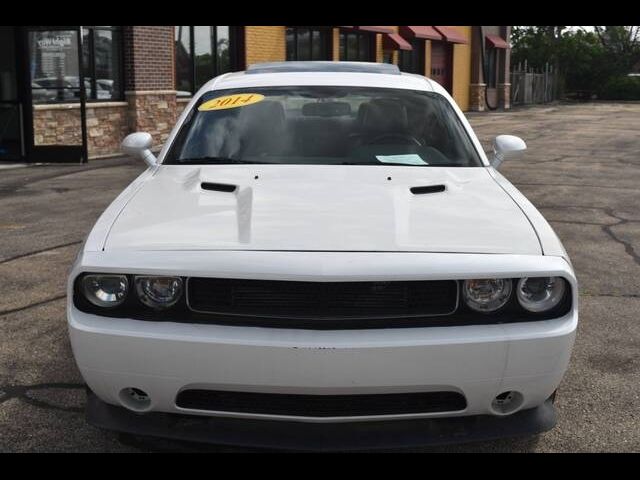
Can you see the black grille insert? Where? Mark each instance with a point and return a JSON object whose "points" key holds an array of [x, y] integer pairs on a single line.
{"points": [[318, 300], [321, 405]]}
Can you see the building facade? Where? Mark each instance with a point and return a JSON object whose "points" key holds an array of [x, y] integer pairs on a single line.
{"points": [[73, 93]]}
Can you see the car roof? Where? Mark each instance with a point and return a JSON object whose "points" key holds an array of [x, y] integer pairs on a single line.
{"points": [[365, 74], [323, 66]]}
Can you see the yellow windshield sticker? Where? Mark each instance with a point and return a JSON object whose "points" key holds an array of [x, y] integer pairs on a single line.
{"points": [[231, 101]]}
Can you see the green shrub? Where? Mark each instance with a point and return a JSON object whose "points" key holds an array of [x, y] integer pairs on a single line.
{"points": [[621, 88]]}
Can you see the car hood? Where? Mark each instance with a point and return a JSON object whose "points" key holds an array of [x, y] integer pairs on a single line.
{"points": [[323, 208]]}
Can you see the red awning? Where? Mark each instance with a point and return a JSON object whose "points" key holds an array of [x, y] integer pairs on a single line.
{"points": [[393, 41], [451, 34], [428, 33], [496, 41], [376, 29]]}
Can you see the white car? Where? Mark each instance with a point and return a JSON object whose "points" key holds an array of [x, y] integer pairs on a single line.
{"points": [[322, 257]]}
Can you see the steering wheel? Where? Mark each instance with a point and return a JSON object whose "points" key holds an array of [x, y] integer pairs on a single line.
{"points": [[402, 136]]}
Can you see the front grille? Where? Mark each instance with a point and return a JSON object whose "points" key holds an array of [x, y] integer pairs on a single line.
{"points": [[318, 300], [321, 405]]}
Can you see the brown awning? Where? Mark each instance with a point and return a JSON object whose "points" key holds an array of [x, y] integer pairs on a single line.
{"points": [[451, 34], [496, 41], [428, 33], [377, 29], [393, 41]]}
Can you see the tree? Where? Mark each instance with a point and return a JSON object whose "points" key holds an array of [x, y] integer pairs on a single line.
{"points": [[584, 59], [537, 45], [623, 44]]}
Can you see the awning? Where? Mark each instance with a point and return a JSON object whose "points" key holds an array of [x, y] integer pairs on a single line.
{"points": [[496, 41], [393, 41], [428, 33], [377, 29], [451, 34]]}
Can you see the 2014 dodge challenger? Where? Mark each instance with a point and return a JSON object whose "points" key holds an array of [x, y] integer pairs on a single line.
{"points": [[322, 256]]}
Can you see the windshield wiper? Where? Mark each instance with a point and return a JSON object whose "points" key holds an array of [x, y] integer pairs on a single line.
{"points": [[218, 161], [368, 162]]}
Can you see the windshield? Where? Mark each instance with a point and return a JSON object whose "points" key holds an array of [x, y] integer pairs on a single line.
{"points": [[319, 125]]}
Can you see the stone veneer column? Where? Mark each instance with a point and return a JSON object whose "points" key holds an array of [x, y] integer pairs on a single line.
{"points": [[504, 95], [476, 97], [152, 111], [149, 68]]}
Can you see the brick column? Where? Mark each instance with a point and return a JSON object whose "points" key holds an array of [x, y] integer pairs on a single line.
{"points": [[265, 44], [149, 72], [335, 41], [477, 99], [504, 96], [504, 83]]}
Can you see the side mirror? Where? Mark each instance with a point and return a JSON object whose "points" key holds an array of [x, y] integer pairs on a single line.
{"points": [[507, 147], [139, 145]]}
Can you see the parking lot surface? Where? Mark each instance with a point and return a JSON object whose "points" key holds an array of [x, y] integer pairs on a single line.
{"points": [[582, 170]]}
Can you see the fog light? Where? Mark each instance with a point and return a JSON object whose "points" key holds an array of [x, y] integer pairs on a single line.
{"points": [[507, 402], [135, 399], [105, 290], [158, 292]]}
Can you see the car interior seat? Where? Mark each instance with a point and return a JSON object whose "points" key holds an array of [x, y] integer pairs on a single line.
{"points": [[380, 117], [262, 129]]}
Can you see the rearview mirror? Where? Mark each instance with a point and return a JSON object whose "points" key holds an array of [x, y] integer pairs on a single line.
{"points": [[507, 147], [139, 145]]}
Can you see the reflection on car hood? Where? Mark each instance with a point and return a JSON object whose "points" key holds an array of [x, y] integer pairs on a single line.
{"points": [[323, 207]]}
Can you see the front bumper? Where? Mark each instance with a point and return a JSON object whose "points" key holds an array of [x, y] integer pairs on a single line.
{"points": [[321, 437], [479, 362]]}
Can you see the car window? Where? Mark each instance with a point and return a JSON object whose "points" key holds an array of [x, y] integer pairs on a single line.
{"points": [[325, 126]]}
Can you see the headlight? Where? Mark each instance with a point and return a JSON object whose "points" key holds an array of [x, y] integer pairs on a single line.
{"points": [[539, 294], [105, 290], [487, 295], [158, 292]]}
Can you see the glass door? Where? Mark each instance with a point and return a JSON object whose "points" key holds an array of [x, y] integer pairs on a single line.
{"points": [[56, 94], [12, 146]]}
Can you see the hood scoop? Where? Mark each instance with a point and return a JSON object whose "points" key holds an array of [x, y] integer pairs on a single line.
{"points": [[218, 187], [427, 189]]}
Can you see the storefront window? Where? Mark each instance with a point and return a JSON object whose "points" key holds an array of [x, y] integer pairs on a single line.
{"points": [[54, 66], [184, 60], [202, 52], [223, 52], [308, 43], [357, 46], [102, 59], [412, 61]]}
